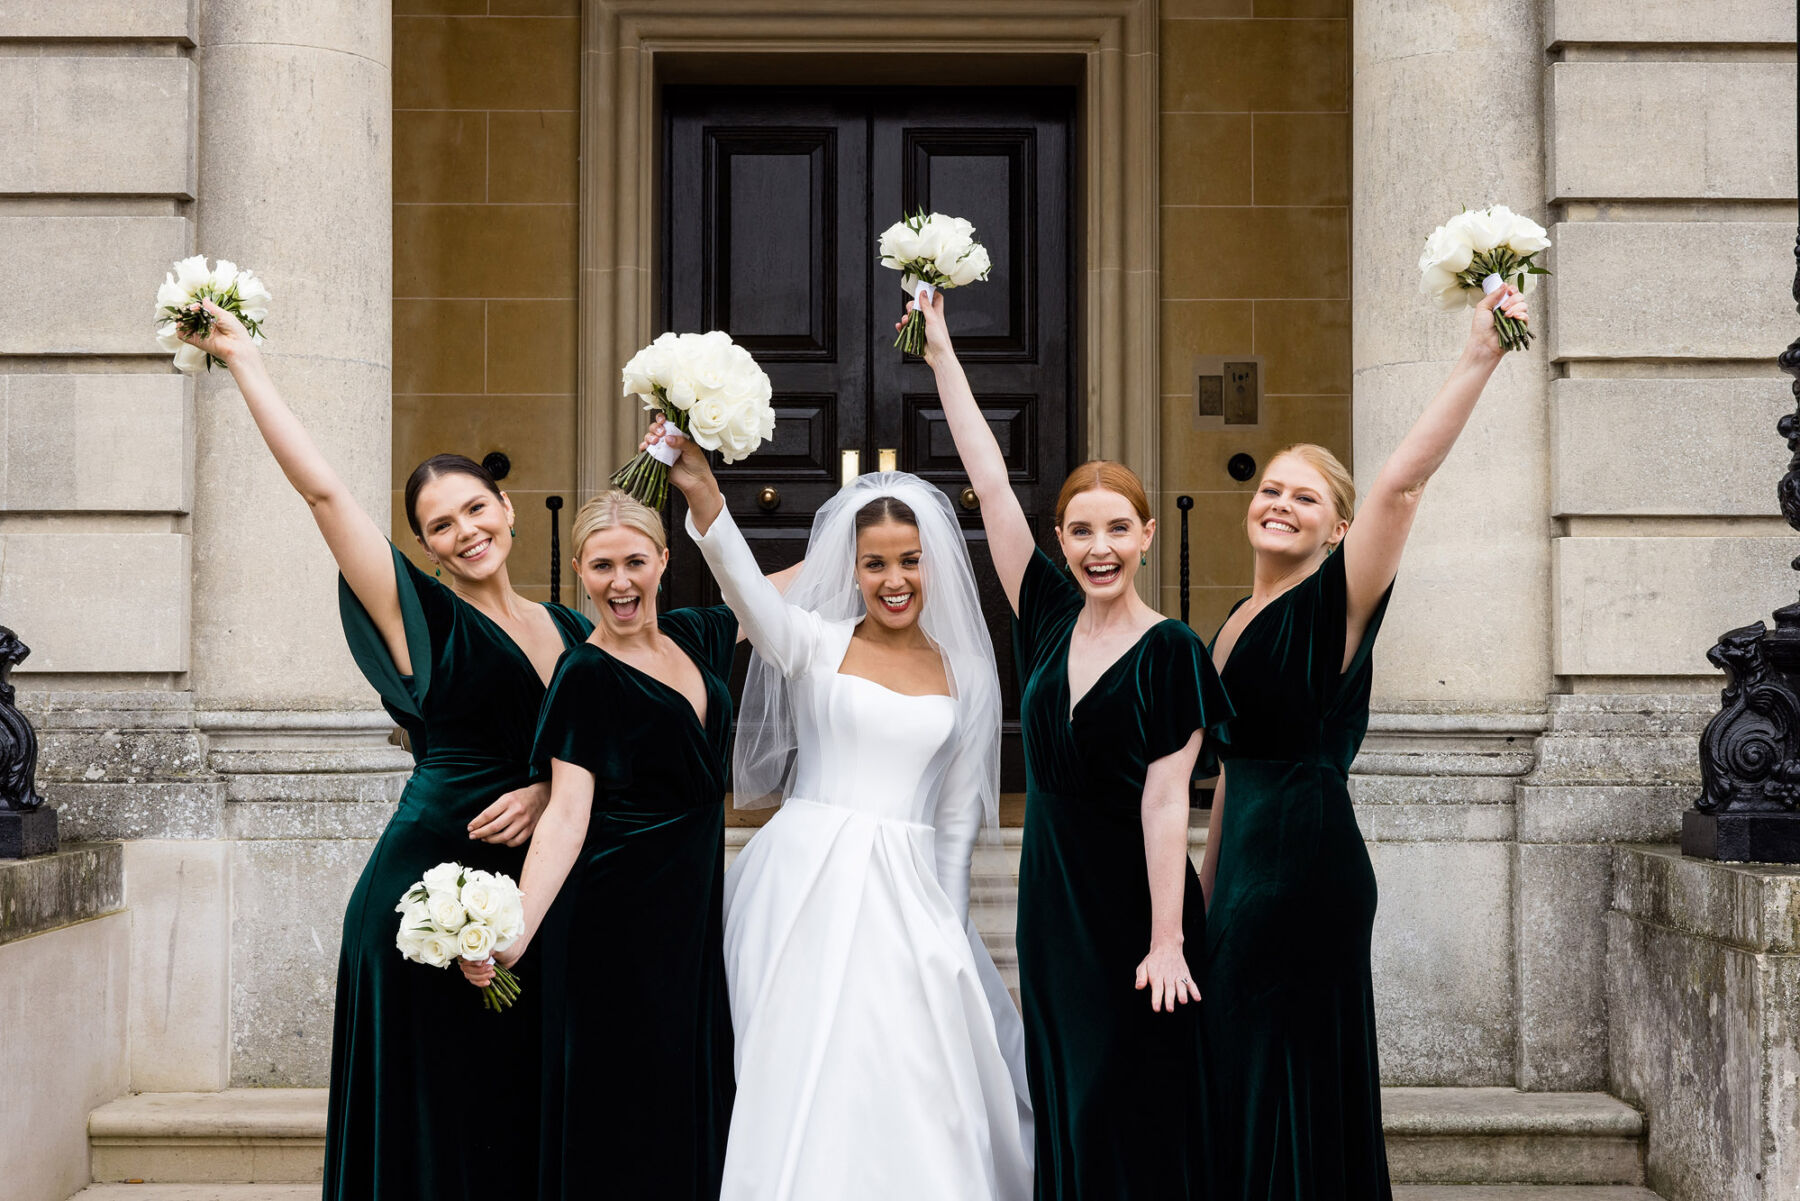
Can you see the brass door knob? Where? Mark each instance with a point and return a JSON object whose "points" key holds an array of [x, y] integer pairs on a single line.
{"points": [[769, 499], [969, 500]]}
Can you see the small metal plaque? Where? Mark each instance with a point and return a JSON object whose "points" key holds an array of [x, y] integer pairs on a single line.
{"points": [[1240, 393], [1209, 390]]}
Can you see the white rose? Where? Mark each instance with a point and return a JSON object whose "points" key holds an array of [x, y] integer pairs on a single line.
{"points": [[1446, 250], [254, 295], [171, 295], [169, 338], [224, 274], [190, 360], [444, 879], [447, 913], [1456, 298], [707, 421], [1477, 228], [899, 245], [192, 273], [973, 266], [934, 238], [481, 897], [475, 941], [1525, 236], [438, 949]]}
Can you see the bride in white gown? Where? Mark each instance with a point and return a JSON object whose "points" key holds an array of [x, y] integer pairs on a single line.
{"points": [[878, 1053]]}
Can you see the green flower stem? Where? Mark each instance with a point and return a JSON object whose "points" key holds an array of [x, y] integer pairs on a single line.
{"points": [[645, 477], [502, 992]]}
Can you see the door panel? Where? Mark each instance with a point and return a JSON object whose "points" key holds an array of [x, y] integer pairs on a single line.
{"points": [[773, 202]]}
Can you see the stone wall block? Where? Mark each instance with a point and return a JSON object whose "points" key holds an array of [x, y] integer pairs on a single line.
{"points": [[1671, 130], [132, 254], [288, 918], [75, 884], [1655, 606], [97, 602], [1676, 447], [180, 901], [83, 125], [354, 28], [188, 809], [1560, 905], [1767, 22], [1443, 963], [65, 1047], [1731, 279], [92, 19], [111, 443]]}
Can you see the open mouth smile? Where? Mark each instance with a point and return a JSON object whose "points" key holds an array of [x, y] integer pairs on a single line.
{"points": [[898, 602], [625, 608], [1102, 573], [1280, 526]]}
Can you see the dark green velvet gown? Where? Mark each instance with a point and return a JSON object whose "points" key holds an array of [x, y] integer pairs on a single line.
{"points": [[637, 1022], [410, 1116], [1288, 1011], [1115, 1087]]}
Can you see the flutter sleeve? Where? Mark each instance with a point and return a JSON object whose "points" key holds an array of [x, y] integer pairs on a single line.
{"points": [[1048, 598], [782, 634], [1179, 693], [709, 633], [427, 613], [1331, 618], [580, 724]]}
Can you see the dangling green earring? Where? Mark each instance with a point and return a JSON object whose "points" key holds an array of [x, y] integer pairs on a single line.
{"points": [[1143, 558], [513, 530], [439, 573]]}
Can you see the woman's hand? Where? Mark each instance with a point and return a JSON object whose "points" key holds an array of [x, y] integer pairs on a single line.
{"points": [[510, 820], [937, 332], [1165, 973], [480, 973], [227, 340], [691, 470], [1484, 339]]}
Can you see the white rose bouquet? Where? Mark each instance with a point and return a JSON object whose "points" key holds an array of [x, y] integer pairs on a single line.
{"points": [[455, 912], [1479, 251], [931, 251], [234, 289], [710, 389]]}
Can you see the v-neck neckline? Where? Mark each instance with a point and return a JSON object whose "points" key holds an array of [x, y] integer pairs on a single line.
{"points": [[1254, 618], [705, 727], [1125, 654], [509, 640]]}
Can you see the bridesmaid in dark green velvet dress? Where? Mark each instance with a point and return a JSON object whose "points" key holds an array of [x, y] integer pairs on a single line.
{"points": [[624, 882], [1116, 700], [1294, 1086], [461, 663]]}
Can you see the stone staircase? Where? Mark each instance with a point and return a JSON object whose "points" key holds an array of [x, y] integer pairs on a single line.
{"points": [[1444, 1144]]}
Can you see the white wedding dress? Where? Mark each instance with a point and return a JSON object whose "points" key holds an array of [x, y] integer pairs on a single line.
{"points": [[879, 1057]]}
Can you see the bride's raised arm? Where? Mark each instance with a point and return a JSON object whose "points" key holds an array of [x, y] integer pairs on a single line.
{"points": [[360, 548], [781, 633], [1008, 534]]}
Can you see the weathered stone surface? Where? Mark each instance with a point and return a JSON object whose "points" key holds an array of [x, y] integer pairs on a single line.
{"points": [[1701, 447], [1443, 963], [261, 1135], [309, 818], [185, 809], [1503, 1135], [1559, 905], [1655, 606], [1600, 813], [133, 253], [79, 882], [121, 753], [85, 125], [1746, 21], [123, 19], [351, 26], [288, 899], [114, 443], [78, 709], [97, 602], [1602, 269], [1704, 1003], [180, 899], [64, 1047], [1670, 130]]}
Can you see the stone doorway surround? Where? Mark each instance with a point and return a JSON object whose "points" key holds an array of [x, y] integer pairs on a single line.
{"points": [[1108, 48]]}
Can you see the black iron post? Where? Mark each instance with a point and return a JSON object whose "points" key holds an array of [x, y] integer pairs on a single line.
{"points": [[554, 504], [1749, 804], [1186, 505], [27, 825]]}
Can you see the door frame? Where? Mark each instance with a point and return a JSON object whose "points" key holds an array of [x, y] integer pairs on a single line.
{"points": [[1108, 48]]}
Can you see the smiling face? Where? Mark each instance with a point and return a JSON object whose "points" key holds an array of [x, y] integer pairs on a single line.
{"points": [[1292, 515], [464, 526], [889, 574], [621, 570], [1104, 540]]}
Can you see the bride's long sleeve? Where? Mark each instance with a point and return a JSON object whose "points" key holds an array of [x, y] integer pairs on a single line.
{"points": [[958, 823], [781, 633]]}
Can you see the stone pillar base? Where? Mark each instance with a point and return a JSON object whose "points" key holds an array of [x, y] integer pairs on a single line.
{"points": [[1741, 837], [27, 832]]}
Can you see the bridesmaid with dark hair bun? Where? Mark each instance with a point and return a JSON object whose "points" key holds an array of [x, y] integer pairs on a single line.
{"points": [[1289, 1010], [460, 661]]}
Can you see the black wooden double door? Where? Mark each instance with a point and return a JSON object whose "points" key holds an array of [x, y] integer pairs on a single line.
{"points": [[773, 203]]}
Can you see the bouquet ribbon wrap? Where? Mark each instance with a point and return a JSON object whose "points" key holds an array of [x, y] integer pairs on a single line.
{"points": [[922, 292], [663, 453]]}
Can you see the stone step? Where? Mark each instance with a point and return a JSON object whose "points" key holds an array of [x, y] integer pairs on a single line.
{"points": [[1538, 1145], [241, 1135], [198, 1192], [1504, 1136], [1523, 1192]]}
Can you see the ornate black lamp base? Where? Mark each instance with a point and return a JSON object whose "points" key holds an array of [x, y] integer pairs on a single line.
{"points": [[1741, 837], [27, 832]]}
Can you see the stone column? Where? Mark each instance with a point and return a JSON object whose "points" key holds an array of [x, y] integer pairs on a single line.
{"points": [[296, 182]]}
